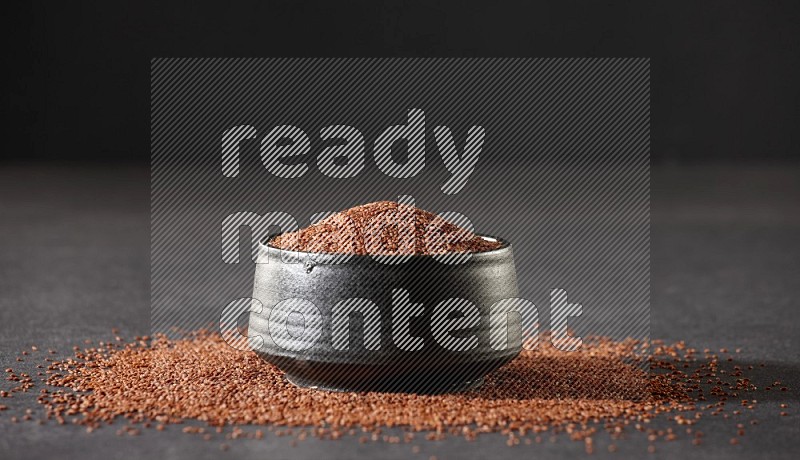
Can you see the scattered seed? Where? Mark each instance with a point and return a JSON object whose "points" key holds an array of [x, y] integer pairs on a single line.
{"points": [[542, 390]]}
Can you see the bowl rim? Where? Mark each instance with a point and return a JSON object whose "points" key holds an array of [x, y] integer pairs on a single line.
{"points": [[264, 245]]}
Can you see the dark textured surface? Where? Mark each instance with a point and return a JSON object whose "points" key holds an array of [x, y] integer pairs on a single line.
{"points": [[725, 265]]}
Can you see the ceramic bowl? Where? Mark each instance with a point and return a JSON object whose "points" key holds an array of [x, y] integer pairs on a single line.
{"points": [[389, 323]]}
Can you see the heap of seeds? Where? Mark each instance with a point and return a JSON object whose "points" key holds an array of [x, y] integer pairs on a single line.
{"points": [[384, 228], [200, 379], [154, 382]]}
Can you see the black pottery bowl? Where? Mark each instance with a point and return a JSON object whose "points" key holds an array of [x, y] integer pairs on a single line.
{"points": [[384, 323]]}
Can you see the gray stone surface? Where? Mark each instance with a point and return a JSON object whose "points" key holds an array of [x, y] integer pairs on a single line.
{"points": [[74, 262]]}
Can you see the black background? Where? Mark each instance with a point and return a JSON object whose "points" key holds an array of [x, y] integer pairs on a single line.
{"points": [[724, 73]]}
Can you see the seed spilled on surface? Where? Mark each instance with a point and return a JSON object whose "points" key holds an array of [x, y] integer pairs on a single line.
{"points": [[157, 382]]}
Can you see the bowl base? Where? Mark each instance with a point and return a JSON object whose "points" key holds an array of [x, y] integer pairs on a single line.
{"points": [[389, 387]]}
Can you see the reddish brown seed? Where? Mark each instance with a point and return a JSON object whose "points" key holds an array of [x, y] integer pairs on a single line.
{"points": [[602, 388], [384, 227]]}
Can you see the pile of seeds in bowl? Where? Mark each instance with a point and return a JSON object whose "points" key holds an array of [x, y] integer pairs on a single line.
{"points": [[384, 228], [156, 382]]}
